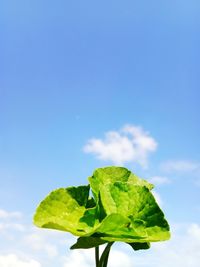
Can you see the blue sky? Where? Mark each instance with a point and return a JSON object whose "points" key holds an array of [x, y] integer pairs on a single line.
{"points": [[73, 71]]}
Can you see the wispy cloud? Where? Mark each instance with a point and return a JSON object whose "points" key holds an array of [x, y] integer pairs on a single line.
{"points": [[82, 258], [159, 180], [129, 144], [37, 241], [5, 226], [10, 220], [8, 215], [28, 249], [24, 245], [85, 258], [180, 166], [12, 260], [182, 250]]}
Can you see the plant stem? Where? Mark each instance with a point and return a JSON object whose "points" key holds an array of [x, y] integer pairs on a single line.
{"points": [[104, 257], [97, 256]]}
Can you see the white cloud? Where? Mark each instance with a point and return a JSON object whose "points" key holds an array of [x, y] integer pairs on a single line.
{"points": [[23, 239], [12, 260], [159, 180], [194, 232], [10, 215], [182, 250], [10, 220], [85, 258], [119, 258], [180, 166], [129, 144], [46, 248], [5, 226], [37, 240]]}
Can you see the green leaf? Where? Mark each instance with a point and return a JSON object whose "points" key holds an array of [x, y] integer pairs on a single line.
{"points": [[138, 246], [135, 180], [107, 175], [62, 210], [110, 175], [123, 209], [113, 225], [137, 204], [116, 227], [90, 217], [88, 242]]}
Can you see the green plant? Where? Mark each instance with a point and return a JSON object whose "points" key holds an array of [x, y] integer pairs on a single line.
{"points": [[121, 208]]}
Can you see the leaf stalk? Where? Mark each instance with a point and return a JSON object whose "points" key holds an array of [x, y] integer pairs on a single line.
{"points": [[103, 261], [97, 256]]}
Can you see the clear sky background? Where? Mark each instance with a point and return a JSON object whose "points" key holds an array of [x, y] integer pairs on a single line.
{"points": [[71, 72]]}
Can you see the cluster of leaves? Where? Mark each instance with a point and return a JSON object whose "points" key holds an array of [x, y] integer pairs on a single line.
{"points": [[121, 208]]}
